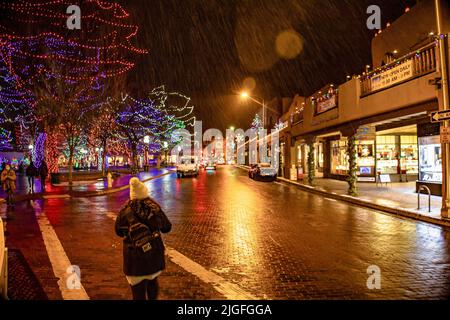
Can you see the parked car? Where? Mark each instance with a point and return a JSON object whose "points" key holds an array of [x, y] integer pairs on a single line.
{"points": [[262, 171], [188, 167]]}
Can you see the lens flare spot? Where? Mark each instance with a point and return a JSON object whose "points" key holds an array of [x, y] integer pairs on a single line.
{"points": [[289, 44], [249, 84]]}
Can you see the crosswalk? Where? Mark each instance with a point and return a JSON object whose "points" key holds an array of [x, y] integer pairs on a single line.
{"points": [[227, 289], [71, 289]]}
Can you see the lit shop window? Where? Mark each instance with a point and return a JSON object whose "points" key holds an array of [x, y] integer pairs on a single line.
{"points": [[430, 161], [409, 154], [365, 158], [387, 155], [339, 158]]}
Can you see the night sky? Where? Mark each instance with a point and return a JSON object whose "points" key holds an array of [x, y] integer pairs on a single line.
{"points": [[207, 48]]}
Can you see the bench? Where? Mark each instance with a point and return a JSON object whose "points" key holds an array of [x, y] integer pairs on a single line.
{"points": [[3, 264]]}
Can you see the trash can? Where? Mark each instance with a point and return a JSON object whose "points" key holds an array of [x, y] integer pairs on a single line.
{"points": [[54, 178]]}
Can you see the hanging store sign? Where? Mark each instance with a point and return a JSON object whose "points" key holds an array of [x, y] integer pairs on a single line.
{"points": [[325, 105], [366, 133], [392, 76]]}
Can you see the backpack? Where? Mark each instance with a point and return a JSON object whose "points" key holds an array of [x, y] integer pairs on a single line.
{"points": [[140, 234]]}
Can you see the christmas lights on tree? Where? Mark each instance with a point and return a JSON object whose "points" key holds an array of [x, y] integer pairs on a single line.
{"points": [[157, 117], [45, 66], [39, 149], [5, 140], [102, 48], [257, 123]]}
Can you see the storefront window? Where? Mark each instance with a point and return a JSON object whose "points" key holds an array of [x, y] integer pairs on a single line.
{"points": [[409, 154], [366, 158], [430, 159], [319, 156], [387, 157], [299, 157], [339, 158]]}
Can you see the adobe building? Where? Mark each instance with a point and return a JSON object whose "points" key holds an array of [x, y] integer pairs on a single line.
{"points": [[387, 110]]}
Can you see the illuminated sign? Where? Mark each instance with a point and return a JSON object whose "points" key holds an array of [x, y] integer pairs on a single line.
{"points": [[392, 76]]}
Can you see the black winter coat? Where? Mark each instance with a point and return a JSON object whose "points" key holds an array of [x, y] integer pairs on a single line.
{"points": [[43, 170], [31, 171], [135, 261]]}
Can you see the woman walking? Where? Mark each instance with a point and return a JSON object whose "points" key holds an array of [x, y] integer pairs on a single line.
{"points": [[31, 172], [43, 172], [140, 222], [8, 179]]}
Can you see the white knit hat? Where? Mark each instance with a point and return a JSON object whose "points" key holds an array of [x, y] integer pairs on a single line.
{"points": [[138, 190]]}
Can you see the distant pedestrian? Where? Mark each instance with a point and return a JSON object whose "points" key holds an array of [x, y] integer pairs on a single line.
{"points": [[43, 172], [140, 222], [8, 179], [31, 172]]}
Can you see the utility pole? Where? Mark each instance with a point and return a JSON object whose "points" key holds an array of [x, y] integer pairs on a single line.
{"points": [[264, 113], [444, 106]]}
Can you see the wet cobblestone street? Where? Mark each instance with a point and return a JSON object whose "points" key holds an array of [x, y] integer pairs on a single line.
{"points": [[235, 237]]}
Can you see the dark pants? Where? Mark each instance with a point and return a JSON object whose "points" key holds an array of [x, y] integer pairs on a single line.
{"points": [[31, 183], [146, 290], [9, 197]]}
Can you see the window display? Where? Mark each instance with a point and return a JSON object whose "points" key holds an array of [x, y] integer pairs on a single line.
{"points": [[299, 157], [319, 156], [387, 157], [339, 158], [300, 162], [409, 154], [430, 163], [365, 159]]}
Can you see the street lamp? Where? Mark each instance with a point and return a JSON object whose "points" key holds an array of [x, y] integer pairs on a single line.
{"points": [[246, 95], [147, 142]]}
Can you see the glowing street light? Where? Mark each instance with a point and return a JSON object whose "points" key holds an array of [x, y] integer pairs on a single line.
{"points": [[30, 147], [244, 95], [147, 142]]}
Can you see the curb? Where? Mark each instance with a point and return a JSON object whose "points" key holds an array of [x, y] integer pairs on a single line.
{"points": [[115, 190], [364, 203], [80, 194]]}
